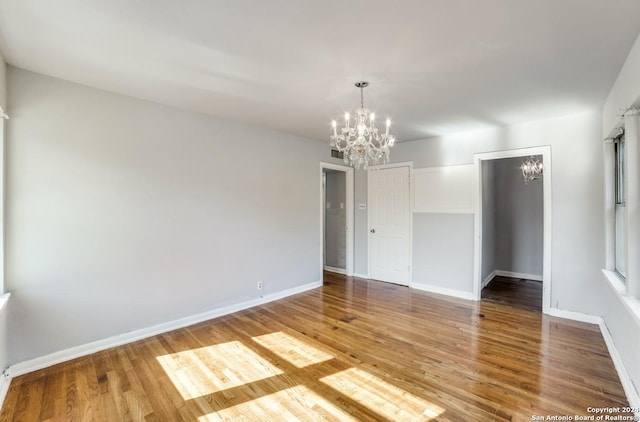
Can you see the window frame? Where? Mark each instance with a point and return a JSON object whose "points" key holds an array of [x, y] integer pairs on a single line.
{"points": [[619, 166], [620, 183]]}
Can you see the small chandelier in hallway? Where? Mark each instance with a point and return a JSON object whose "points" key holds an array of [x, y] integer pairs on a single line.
{"points": [[361, 143], [531, 169]]}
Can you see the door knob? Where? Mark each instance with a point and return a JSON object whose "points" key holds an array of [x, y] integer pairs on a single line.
{"points": [[372, 230]]}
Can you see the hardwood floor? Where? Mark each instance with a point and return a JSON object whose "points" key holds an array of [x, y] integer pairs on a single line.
{"points": [[521, 293], [351, 350]]}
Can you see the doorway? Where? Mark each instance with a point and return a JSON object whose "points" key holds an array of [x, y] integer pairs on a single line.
{"points": [[336, 218], [513, 229]]}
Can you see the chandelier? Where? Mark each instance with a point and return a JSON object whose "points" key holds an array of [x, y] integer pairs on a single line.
{"points": [[531, 169], [361, 143]]}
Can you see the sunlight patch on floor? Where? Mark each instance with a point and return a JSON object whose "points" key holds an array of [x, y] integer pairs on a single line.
{"points": [[297, 352], [210, 369], [383, 398], [292, 404]]}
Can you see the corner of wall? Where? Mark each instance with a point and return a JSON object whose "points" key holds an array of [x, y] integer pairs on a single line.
{"points": [[3, 82], [625, 90], [5, 380], [625, 379], [618, 329]]}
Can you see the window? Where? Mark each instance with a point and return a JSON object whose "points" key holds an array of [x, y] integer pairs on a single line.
{"points": [[620, 198]]}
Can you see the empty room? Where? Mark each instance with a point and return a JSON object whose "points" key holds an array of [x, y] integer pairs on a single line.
{"points": [[322, 210]]}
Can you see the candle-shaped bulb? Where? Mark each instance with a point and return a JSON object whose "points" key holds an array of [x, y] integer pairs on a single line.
{"points": [[388, 125], [333, 123], [372, 116], [346, 117]]}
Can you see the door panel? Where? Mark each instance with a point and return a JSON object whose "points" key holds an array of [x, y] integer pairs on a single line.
{"points": [[389, 225]]}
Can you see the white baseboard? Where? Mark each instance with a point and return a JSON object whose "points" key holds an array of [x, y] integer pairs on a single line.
{"points": [[629, 389], [365, 276], [511, 274], [442, 290], [335, 270], [5, 382], [575, 316], [5, 377], [64, 355], [488, 279], [118, 340]]}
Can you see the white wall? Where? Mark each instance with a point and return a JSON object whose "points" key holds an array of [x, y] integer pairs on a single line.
{"points": [[443, 250], [122, 213], [625, 91], [3, 311], [488, 219], [360, 231], [512, 219], [623, 325], [3, 82], [577, 237], [518, 214]]}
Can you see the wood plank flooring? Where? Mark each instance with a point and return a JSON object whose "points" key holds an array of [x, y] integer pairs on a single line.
{"points": [[521, 293], [351, 350]]}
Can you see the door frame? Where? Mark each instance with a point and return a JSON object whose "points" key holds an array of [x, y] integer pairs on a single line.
{"points": [[408, 164], [545, 151], [349, 202]]}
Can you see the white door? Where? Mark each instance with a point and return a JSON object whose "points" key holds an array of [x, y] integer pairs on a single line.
{"points": [[389, 224]]}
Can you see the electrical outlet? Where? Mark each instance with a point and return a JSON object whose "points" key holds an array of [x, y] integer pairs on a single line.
{"points": [[260, 285]]}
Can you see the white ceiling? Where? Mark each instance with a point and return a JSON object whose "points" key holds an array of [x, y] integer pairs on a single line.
{"points": [[435, 66]]}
